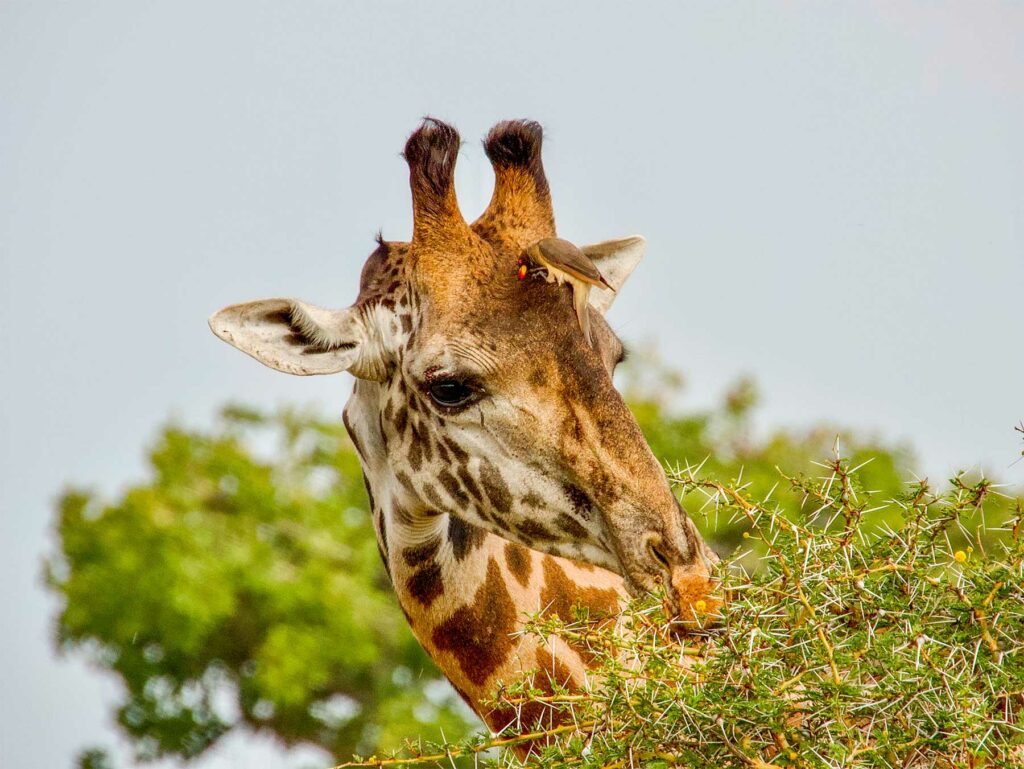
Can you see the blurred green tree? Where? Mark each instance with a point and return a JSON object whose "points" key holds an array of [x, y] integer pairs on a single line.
{"points": [[240, 585], [724, 442]]}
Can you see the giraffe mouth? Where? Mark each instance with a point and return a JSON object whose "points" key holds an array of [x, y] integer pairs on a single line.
{"points": [[681, 568]]}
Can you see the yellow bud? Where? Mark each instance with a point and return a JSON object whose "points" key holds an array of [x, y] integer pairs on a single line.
{"points": [[970, 549], [700, 605], [746, 535], [793, 755], [959, 556]]}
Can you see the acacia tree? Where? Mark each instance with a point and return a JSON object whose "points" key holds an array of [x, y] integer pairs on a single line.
{"points": [[845, 649]]}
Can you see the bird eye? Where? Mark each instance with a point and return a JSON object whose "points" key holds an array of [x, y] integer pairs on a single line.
{"points": [[450, 393]]}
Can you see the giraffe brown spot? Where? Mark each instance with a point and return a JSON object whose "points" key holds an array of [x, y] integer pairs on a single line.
{"points": [[451, 485], [581, 503], [495, 487], [468, 483], [420, 554], [538, 378], [604, 484], [425, 585], [426, 443], [553, 670], [415, 455], [419, 405], [457, 451], [571, 427], [406, 321], [465, 537], [406, 482], [518, 560], [560, 594], [442, 453], [401, 419], [533, 530], [478, 634], [432, 496], [551, 674], [571, 526], [532, 499], [498, 719]]}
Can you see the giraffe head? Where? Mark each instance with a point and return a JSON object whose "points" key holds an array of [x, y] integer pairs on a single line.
{"points": [[480, 395]]}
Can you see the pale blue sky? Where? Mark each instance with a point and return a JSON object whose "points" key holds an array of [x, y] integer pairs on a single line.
{"points": [[833, 197]]}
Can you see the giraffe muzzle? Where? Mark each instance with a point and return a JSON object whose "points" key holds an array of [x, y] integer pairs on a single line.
{"points": [[680, 566], [693, 599]]}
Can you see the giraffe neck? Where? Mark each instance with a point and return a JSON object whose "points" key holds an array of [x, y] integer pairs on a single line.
{"points": [[467, 593]]}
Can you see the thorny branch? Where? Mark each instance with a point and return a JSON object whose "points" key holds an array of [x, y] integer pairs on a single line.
{"points": [[847, 647]]}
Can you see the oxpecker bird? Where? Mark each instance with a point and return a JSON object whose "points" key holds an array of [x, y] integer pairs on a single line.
{"points": [[565, 263]]}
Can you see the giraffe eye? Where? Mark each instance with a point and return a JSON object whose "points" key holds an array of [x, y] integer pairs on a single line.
{"points": [[451, 393]]}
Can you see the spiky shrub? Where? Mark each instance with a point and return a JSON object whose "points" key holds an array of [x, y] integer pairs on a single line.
{"points": [[851, 644]]}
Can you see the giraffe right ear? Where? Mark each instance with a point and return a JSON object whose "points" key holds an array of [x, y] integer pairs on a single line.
{"points": [[303, 339], [616, 259]]}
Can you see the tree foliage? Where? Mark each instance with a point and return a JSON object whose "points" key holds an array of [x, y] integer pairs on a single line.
{"points": [[239, 585]]}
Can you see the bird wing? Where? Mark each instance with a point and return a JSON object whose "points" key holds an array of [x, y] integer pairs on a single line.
{"points": [[563, 255], [580, 301]]}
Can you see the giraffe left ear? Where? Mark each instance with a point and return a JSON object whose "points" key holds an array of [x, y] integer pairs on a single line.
{"points": [[616, 259]]}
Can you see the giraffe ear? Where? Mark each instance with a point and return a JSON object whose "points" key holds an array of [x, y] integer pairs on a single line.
{"points": [[303, 339], [616, 259]]}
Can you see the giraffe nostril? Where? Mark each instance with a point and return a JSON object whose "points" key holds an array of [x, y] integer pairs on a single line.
{"points": [[656, 552]]}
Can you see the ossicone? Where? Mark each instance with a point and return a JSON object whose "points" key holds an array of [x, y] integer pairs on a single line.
{"points": [[520, 210], [517, 144], [431, 153]]}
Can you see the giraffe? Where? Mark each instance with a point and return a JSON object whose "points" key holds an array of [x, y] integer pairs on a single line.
{"points": [[506, 475]]}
